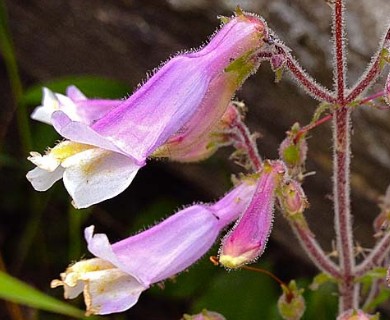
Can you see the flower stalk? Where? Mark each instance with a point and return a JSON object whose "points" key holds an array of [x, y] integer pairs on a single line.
{"points": [[341, 169]]}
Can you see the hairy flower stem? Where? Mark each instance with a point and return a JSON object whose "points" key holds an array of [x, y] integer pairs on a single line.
{"points": [[372, 73], [348, 290], [343, 223], [302, 77], [311, 126], [313, 249], [249, 143], [376, 256]]}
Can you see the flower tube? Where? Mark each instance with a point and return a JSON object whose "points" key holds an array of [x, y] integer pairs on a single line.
{"points": [[247, 239], [198, 143], [114, 280], [189, 85]]}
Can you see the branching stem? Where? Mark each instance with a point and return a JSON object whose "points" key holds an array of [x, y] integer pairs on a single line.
{"points": [[313, 249], [302, 77], [376, 256], [371, 74]]}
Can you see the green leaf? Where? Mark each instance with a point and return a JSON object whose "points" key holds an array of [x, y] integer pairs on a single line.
{"points": [[91, 86], [16, 291], [319, 280], [375, 273], [382, 297]]}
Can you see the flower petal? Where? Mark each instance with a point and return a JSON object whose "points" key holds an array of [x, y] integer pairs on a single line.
{"points": [[42, 180], [163, 250], [81, 132], [106, 289], [96, 175], [157, 109], [50, 103], [174, 244], [109, 292], [75, 94]]}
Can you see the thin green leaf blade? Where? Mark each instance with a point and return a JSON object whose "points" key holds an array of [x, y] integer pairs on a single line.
{"points": [[16, 291]]}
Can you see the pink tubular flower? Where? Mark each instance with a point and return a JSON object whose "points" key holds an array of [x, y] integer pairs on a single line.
{"points": [[189, 94], [247, 240], [114, 280]]}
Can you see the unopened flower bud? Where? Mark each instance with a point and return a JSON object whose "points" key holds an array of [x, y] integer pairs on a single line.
{"points": [[204, 315], [293, 149], [293, 198], [357, 315], [247, 240], [291, 304]]}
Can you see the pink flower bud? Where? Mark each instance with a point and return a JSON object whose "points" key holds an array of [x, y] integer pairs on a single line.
{"points": [[292, 198], [247, 240]]}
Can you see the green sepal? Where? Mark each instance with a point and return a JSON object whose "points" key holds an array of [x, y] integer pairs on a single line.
{"points": [[242, 66]]}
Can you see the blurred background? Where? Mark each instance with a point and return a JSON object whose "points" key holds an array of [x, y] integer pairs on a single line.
{"points": [[106, 48]]}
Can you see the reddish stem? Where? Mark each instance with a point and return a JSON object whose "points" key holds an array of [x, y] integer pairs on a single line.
{"points": [[309, 84], [367, 79], [339, 50], [311, 126], [343, 223], [370, 75], [341, 168], [250, 145], [314, 251], [372, 97], [376, 256]]}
